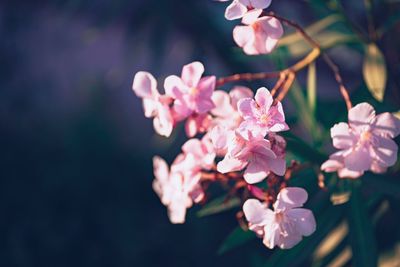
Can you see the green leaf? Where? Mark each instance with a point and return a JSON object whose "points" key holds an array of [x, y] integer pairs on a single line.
{"points": [[312, 87], [236, 238], [386, 185], [219, 205], [374, 71], [361, 235]]}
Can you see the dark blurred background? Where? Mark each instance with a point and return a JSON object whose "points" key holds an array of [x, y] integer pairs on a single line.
{"points": [[75, 148]]}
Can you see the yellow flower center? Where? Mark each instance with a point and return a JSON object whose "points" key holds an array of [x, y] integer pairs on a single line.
{"points": [[366, 136], [193, 91], [264, 118]]}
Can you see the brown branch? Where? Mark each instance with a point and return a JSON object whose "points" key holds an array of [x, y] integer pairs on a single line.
{"points": [[325, 57]]}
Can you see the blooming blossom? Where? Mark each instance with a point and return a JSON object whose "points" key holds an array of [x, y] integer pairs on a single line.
{"points": [[253, 153], [197, 123], [202, 151], [238, 8], [226, 116], [178, 188], [155, 105], [284, 226], [260, 115], [191, 92], [258, 35], [365, 142]]}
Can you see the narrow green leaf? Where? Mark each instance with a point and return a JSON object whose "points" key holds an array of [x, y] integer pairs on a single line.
{"points": [[361, 235], [236, 238], [312, 87], [218, 205], [374, 71]]}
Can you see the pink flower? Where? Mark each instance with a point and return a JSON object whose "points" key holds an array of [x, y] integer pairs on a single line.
{"points": [[254, 154], [179, 188], [260, 115], [192, 93], [155, 105], [226, 116], [238, 8], [365, 143], [259, 35], [284, 226], [197, 123], [202, 151]]}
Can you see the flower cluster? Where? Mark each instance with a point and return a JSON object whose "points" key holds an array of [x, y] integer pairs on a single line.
{"points": [[234, 136]]}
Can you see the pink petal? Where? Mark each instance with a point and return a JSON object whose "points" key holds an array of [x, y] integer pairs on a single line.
{"points": [[290, 197], [341, 136], [204, 106], [346, 173], [272, 235], [222, 104], [163, 122], [331, 165], [304, 220], [385, 151], [239, 92], [192, 146], [251, 16], [161, 170], [191, 73], [264, 99], [191, 127], [256, 212], [150, 107], [260, 4], [181, 110], [243, 35], [174, 86], [277, 166], [361, 116], [377, 168], [177, 213], [289, 241], [255, 172], [246, 108], [387, 125], [144, 85], [270, 34], [206, 87], [358, 159], [230, 164], [235, 10]]}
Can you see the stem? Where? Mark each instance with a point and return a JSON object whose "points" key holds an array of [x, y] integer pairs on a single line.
{"points": [[325, 57]]}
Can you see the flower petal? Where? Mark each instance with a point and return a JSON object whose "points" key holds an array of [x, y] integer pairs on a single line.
{"points": [[163, 122], [358, 159], [361, 116], [386, 124], [191, 73], [222, 104], [251, 16], [290, 197], [256, 212], [246, 108], [174, 86], [385, 152], [255, 172], [341, 136], [235, 10], [264, 99], [304, 220], [243, 35], [239, 92], [144, 85], [260, 4], [230, 164]]}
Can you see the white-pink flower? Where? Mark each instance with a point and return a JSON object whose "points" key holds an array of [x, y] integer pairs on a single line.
{"points": [[252, 153], [284, 226], [260, 115], [238, 8], [155, 105], [202, 151], [191, 92], [365, 142], [197, 123], [258, 35], [178, 188]]}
